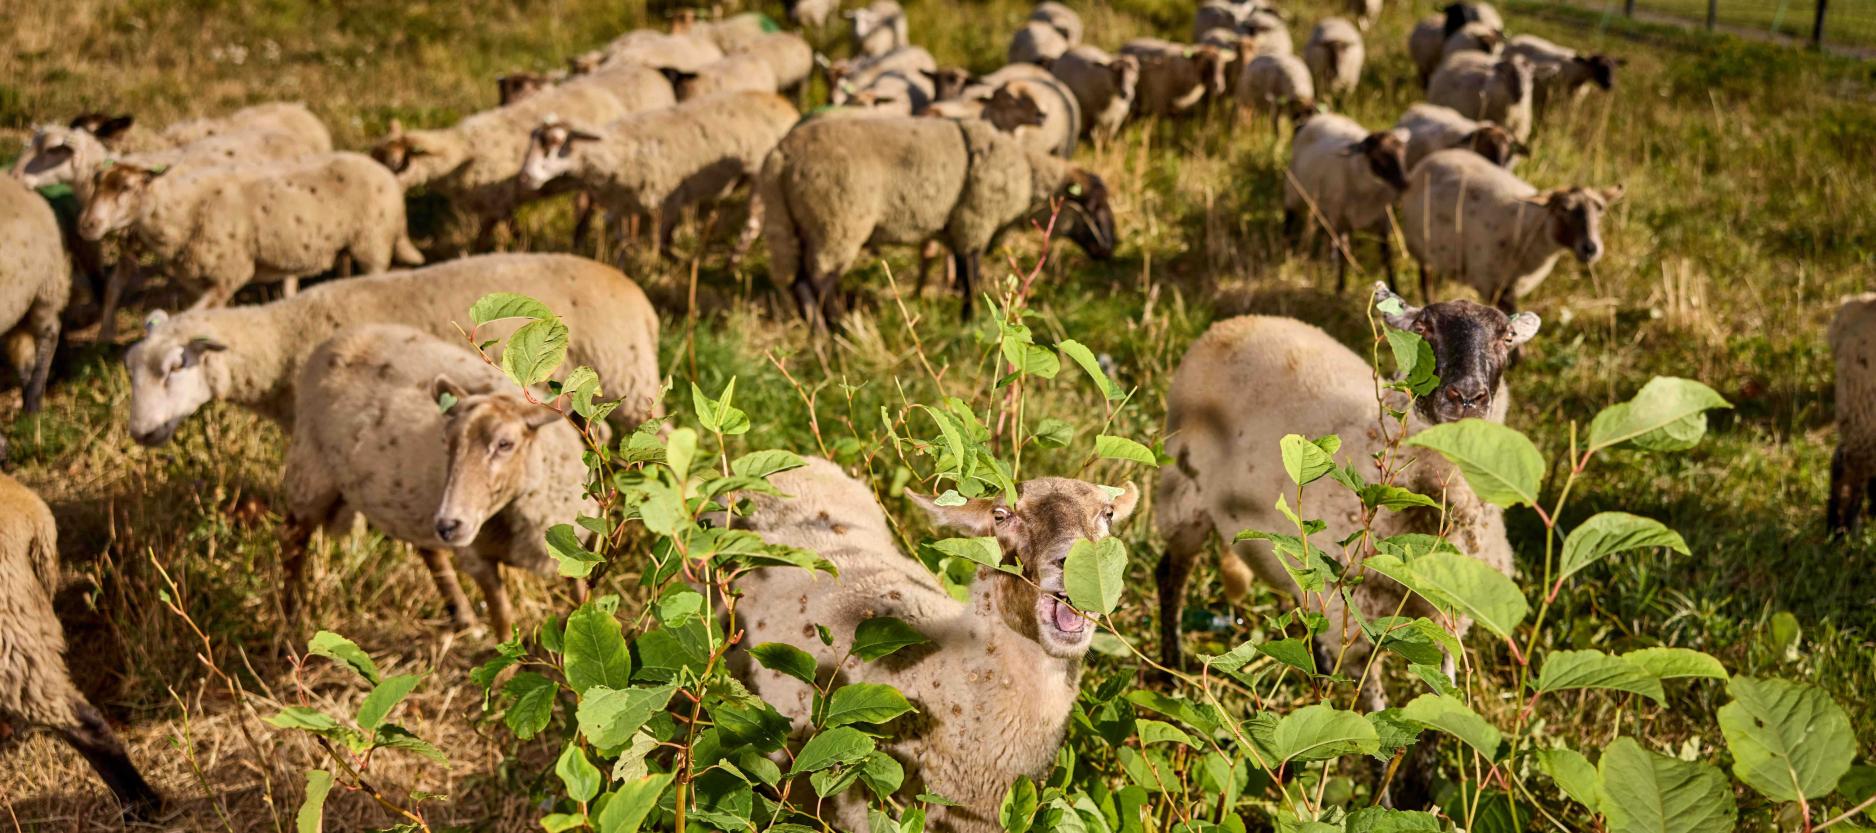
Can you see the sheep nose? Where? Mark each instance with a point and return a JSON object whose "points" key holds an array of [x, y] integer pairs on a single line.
{"points": [[1469, 399], [446, 528], [1589, 251]]}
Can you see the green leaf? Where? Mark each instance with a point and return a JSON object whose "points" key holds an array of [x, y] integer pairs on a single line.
{"points": [[1414, 362], [864, 703], [1669, 663], [1667, 414], [1095, 573], [1308, 460], [1291, 651], [1157, 731], [393, 736], [1643, 792], [384, 698], [580, 387], [609, 716], [339, 649], [1608, 533], [499, 305], [1394, 497], [1030, 359], [596, 654], [1121, 448], [311, 818], [766, 463], [1321, 732], [533, 704], [561, 822], [1396, 732], [1501, 465], [1018, 810], [881, 773], [1564, 670], [301, 717], [1458, 582], [576, 561], [1054, 433], [1084, 357], [1451, 715], [883, 635], [1386, 820], [842, 745], [983, 551], [718, 414], [786, 659], [680, 606], [578, 774], [1574, 774], [1788, 739], [535, 351], [631, 802]]}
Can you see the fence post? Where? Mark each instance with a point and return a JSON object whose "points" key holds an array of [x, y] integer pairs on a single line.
{"points": [[1628, 8], [1713, 13], [1817, 29]]}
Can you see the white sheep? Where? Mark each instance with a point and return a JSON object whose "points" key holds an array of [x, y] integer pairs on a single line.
{"points": [[1431, 128], [36, 689], [1265, 33], [658, 50], [1217, 14], [878, 28], [1480, 86], [1561, 73], [60, 155], [1465, 218], [789, 57], [1037, 43], [1059, 16], [1334, 55], [1434, 38], [1852, 338], [35, 283], [740, 72], [812, 14], [252, 355], [1105, 86], [286, 117], [1275, 86], [221, 229], [733, 34], [1365, 12], [1343, 178], [1227, 472], [1175, 78], [833, 187], [995, 686], [907, 71]]}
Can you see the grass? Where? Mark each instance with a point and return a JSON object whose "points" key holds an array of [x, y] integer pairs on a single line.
{"points": [[1749, 213]]}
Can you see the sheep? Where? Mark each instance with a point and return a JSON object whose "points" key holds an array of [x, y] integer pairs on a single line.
{"points": [[1852, 336], [1176, 78], [1037, 43], [1434, 38], [252, 355], [1226, 473], [733, 34], [36, 689], [516, 86], [812, 14], [1431, 127], [1334, 55], [910, 65], [1060, 17], [1466, 218], [998, 680], [832, 187], [1266, 34], [59, 155], [482, 481], [219, 230], [789, 57], [741, 72], [1479, 86], [1276, 85], [1343, 177], [660, 50], [286, 117], [1041, 113], [35, 283], [1365, 12], [109, 129], [1217, 14], [664, 162], [1104, 85], [1562, 73], [879, 28]]}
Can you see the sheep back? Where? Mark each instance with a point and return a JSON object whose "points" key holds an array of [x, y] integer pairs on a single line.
{"points": [[1466, 218], [1104, 86], [1036, 42], [1852, 337], [1268, 82], [1334, 55], [1340, 184], [34, 683], [289, 118], [1480, 86], [35, 278], [696, 151]]}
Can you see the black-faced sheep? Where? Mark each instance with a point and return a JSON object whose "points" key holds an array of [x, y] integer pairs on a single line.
{"points": [[1275, 86], [1343, 178], [1479, 86], [1561, 73], [1852, 339], [1462, 27], [35, 283], [1432, 128], [1105, 86], [1334, 55], [1175, 78], [1060, 17]]}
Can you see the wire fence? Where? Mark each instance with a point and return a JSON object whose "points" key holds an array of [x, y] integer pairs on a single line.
{"points": [[1840, 25]]}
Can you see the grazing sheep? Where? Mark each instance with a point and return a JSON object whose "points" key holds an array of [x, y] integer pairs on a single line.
{"points": [[1226, 470], [1041, 113], [290, 118], [740, 72], [252, 355], [879, 28], [1176, 78], [1479, 86], [1431, 42], [1852, 339], [1334, 55], [997, 682], [1431, 128], [833, 187], [789, 57], [812, 14], [1264, 33], [219, 230], [909, 65], [1365, 12], [35, 283], [665, 162], [1105, 86], [484, 480], [1037, 43], [58, 155], [733, 34], [1344, 178], [1217, 14], [109, 129], [515, 86], [1277, 85], [1561, 73], [1059, 16], [1465, 218], [36, 690], [660, 50]]}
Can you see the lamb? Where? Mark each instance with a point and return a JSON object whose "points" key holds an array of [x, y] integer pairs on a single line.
{"points": [[995, 686], [1431, 128], [1060, 17], [220, 230], [664, 162], [1852, 336], [1560, 72], [35, 283], [1344, 178], [1037, 43], [1334, 55], [1466, 218], [1226, 471], [1434, 38], [252, 355], [1041, 113], [1479, 86], [1365, 12], [36, 689], [1176, 78], [879, 28], [1276, 85], [482, 481], [1103, 84], [834, 186]]}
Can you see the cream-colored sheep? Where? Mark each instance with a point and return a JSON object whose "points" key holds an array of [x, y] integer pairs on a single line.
{"points": [[1276, 86], [484, 481], [1334, 55], [1041, 113], [995, 685], [740, 72], [1343, 179], [286, 117], [36, 690], [733, 34], [879, 27], [63, 155], [1105, 86], [812, 14], [1248, 381], [661, 50], [1265, 33], [1560, 73], [252, 355], [35, 283], [1365, 12], [1465, 218], [1061, 17], [907, 71], [789, 57], [1431, 128], [1037, 43], [833, 187], [1479, 86], [1852, 337], [1432, 41], [220, 230], [1175, 78]]}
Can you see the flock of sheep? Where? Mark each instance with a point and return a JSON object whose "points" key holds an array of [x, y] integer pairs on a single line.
{"points": [[661, 124]]}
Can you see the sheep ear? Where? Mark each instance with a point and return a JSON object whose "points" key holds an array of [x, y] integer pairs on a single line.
{"points": [[542, 416], [113, 126], [197, 346], [1543, 198], [155, 319], [1613, 194], [1524, 327], [1126, 501], [1394, 309], [976, 517], [447, 393], [677, 77], [582, 136]]}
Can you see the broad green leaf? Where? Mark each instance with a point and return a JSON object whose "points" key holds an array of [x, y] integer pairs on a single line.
{"points": [[1451, 715], [576, 561], [1574, 774], [385, 697], [595, 650], [1054, 433], [1414, 362], [1030, 359], [1084, 357], [1200, 716], [1564, 670], [786, 659], [882, 635], [882, 773], [766, 462], [1643, 792], [1669, 663], [1394, 497], [842, 745], [1457, 582], [1018, 810], [608, 717], [1608, 533], [1157, 731], [301, 717], [1095, 573], [680, 453], [1667, 414], [561, 822], [1307, 460], [1291, 651], [1501, 465], [1396, 732], [581, 778], [1320, 732], [680, 606], [1857, 786], [533, 704], [499, 305], [1788, 739], [864, 703], [535, 351], [1386, 820], [1121, 448], [631, 802], [339, 649], [311, 817], [581, 385], [393, 736], [980, 550]]}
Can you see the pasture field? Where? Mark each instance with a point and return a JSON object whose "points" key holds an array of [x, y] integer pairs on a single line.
{"points": [[1750, 210]]}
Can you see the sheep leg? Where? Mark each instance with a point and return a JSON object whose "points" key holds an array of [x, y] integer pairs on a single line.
{"points": [[1174, 569], [114, 294], [485, 236], [1341, 262], [969, 268], [583, 207], [752, 229], [1845, 508], [92, 737], [1387, 261], [291, 286], [45, 341], [488, 576], [1290, 221], [1426, 285], [443, 571]]}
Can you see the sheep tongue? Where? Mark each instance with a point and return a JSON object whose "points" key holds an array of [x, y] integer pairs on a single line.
{"points": [[1067, 620]]}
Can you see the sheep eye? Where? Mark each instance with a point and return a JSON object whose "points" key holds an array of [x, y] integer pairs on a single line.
{"points": [[504, 445], [1108, 513], [1000, 514]]}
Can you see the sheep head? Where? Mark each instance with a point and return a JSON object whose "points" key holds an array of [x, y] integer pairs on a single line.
{"points": [[948, 83], [1514, 74], [1089, 215], [1496, 144], [103, 125], [491, 440], [55, 154], [1126, 72], [1013, 106], [174, 371], [1600, 68], [1471, 345], [518, 86], [418, 156], [1576, 217], [1211, 62], [117, 195], [1386, 153], [551, 151], [1049, 516]]}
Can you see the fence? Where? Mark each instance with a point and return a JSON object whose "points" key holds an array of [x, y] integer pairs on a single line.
{"points": [[1842, 25]]}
